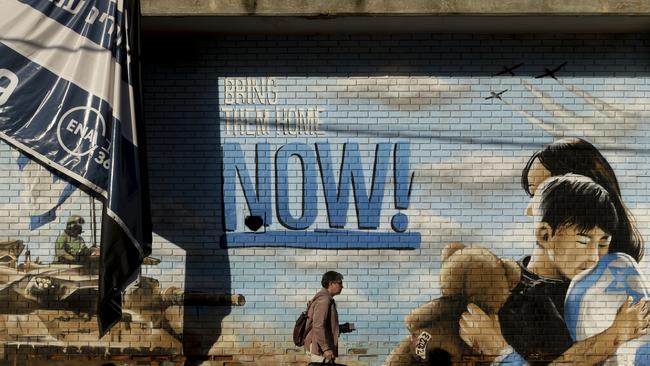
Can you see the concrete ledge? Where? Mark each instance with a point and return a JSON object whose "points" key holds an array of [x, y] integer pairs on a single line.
{"points": [[320, 8], [395, 24]]}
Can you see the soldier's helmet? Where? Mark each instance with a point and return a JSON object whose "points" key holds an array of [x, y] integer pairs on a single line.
{"points": [[73, 227]]}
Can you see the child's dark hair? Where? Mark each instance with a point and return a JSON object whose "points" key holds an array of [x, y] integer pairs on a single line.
{"points": [[573, 199]]}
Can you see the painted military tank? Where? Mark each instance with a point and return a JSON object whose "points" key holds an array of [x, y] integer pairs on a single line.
{"points": [[59, 300]]}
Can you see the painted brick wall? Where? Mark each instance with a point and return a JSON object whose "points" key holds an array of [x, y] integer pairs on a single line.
{"points": [[428, 91], [410, 105]]}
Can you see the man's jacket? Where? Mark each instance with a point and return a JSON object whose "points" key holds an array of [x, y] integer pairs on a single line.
{"points": [[324, 323]]}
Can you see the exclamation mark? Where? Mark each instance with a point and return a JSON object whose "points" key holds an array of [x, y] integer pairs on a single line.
{"points": [[403, 184]]}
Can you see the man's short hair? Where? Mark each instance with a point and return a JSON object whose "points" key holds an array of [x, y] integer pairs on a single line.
{"points": [[573, 199], [329, 277]]}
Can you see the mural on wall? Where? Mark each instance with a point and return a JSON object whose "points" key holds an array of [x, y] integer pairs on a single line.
{"points": [[580, 288], [492, 308], [49, 275], [579, 297], [82, 128], [407, 182], [296, 217]]}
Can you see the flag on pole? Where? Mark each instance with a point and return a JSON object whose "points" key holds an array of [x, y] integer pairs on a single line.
{"points": [[70, 99], [38, 180]]}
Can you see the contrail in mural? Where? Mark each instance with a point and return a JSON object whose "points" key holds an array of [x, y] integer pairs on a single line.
{"points": [[554, 129], [553, 108], [600, 105], [576, 125]]}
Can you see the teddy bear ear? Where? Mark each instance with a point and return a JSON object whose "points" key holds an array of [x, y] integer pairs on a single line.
{"points": [[513, 271], [450, 249]]}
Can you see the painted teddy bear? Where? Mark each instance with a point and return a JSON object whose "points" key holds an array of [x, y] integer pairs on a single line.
{"points": [[468, 275]]}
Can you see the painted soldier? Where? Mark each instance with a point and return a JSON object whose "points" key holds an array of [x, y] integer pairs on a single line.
{"points": [[70, 246]]}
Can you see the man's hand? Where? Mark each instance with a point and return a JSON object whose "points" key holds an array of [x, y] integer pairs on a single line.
{"points": [[329, 355], [631, 320], [346, 328], [482, 332]]}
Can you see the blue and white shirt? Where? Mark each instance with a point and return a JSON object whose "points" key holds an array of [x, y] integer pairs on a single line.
{"points": [[594, 298]]}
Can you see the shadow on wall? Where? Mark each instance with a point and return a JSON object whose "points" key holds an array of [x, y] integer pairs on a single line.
{"points": [[184, 155]]}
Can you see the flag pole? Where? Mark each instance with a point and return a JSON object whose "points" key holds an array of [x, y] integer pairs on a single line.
{"points": [[93, 220]]}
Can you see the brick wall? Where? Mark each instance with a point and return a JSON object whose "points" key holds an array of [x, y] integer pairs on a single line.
{"points": [[402, 104]]}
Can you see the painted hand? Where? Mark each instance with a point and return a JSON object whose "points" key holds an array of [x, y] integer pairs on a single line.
{"points": [[482, 332], [632, 320]]}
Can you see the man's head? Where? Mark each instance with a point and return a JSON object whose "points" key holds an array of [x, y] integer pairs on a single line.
{"points": [[333, 282], [574, 219]]}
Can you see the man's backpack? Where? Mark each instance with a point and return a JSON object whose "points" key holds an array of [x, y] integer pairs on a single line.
{"points": [[300, 328]]}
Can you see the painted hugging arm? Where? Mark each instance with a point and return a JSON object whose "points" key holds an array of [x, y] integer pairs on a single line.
{"points": [[631, 322], [605, 307], [482, 332]]}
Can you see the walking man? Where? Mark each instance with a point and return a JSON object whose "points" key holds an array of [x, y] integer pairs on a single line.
{"points": [[323, 336]]}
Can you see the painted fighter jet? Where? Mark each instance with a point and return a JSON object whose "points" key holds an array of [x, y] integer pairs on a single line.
{"points": [[551, 73], [508, 70], [496, 95]]}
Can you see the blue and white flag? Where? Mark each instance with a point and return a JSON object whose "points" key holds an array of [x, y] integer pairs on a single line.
{"points": [[69, 98], [594, 297], [38, 180]]}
